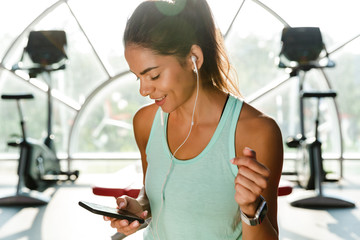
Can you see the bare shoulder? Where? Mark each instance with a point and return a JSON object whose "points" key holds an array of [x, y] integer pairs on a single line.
{"points": [[259, 132], [256, 121], [142, 122], [142, 115]]}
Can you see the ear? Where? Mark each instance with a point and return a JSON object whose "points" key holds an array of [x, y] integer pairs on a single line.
{"points": [[198, 53]]}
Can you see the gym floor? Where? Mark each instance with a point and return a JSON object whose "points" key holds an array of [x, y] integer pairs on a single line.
{"points": [[62, 218]]}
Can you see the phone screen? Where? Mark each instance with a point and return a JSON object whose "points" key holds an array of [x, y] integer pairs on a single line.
{"points": [[110, 212]]}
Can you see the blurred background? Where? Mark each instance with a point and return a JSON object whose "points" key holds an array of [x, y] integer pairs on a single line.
{"points": [[93, 107], [95, 96]]}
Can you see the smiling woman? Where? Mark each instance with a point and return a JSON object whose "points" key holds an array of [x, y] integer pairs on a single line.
{"points": [[97, 70], [96, 97], [196, 138]]}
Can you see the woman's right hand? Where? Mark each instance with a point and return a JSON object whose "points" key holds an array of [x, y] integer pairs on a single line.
{"points": [[131, 205]]}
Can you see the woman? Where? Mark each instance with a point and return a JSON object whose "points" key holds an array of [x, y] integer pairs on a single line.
{"points": [[211, 162]]}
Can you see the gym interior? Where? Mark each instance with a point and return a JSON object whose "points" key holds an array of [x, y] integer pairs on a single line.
{"points": [[68, 99]]}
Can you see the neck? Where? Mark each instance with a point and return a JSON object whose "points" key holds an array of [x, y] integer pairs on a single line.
{"points": [[209, 107]]}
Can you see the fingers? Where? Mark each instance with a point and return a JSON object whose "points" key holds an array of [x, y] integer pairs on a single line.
{"points": [[123, 226], [121, 202], [251, 180], [249, 161], [249, 152], [244, 196], [130, 204], [144, 214]]}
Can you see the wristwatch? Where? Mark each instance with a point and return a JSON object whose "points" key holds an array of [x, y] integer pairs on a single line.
{"points": [[259, 214]]}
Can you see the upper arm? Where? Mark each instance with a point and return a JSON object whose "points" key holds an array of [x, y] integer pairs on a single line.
{"points": [[262, 134], [142, 123], [270, 153]]}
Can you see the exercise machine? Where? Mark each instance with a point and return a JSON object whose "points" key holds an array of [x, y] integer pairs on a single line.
{"points": [[301, 48], [38, 166], [312, 174]]}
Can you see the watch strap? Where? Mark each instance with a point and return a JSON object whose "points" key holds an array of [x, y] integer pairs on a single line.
{"points": [[259, 214]]}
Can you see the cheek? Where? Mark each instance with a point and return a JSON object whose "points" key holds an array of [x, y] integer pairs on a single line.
{"points": [[177, 80], [180, 85], [172, 81]]}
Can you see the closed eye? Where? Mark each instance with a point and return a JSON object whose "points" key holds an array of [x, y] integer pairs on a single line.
{"points": [[156, 77]]}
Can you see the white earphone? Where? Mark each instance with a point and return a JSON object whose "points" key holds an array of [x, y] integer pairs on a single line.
{"points": [[193, 59]]}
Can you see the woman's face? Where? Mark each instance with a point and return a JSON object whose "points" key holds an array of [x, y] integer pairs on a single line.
{"points": [[162, 78]]}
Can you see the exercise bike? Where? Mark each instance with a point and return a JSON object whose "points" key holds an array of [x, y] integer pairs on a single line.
{"points": [[39, 167], [305, 165], [313, 175], [302, 47]]}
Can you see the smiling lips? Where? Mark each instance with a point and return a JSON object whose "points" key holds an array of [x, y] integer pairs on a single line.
{"points": [[160, 101]]}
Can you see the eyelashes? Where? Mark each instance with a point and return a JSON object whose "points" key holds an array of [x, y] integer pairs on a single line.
{"points": [[152, 78], [156, 77]]}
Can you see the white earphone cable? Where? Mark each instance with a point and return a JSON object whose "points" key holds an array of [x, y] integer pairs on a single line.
{"points": [[173, 155]]}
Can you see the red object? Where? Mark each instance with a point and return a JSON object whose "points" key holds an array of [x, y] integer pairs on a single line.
{"points": [[115, 192], [283, 190], [285, 187]]}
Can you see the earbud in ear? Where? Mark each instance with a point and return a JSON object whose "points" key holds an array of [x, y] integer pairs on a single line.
{"points": [[193, 59]]}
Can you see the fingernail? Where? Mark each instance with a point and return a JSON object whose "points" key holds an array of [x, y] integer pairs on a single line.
{"points": [[232, 161], [146, 213], [124, 223], [121, 205], [251, 150], [136, 224]]}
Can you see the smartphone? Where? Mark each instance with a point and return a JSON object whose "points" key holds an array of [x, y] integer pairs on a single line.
{"points": [[110, 212]]}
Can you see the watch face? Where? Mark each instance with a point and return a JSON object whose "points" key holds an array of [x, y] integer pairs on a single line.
{"points": [[259, 215], [262, 212]]}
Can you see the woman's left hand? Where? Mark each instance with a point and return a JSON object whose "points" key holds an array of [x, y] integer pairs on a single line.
{"points": [[251, 180]]}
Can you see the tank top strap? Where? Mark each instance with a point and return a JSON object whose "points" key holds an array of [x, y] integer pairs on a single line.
{"points": [[233, 120]]}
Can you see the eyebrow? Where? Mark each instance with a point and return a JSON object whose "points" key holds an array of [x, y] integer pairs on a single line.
{"points": [[147, 70]]}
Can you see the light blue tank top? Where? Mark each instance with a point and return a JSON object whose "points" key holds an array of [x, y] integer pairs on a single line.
{"points": [[198, 194]]}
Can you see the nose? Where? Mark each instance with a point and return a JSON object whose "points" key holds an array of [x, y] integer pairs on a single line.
{"points": [[145, 88]]}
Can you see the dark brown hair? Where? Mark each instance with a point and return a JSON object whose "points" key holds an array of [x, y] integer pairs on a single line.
{"points": [[172, 27]]}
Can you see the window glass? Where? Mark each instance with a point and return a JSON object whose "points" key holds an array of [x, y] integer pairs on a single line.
{"points": [[95, 98], [34, 116], [253, 44], [345, 79], [338, 20], [35, 113], [282, 105], [105, 125], [104, 23], [15, 17]]}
